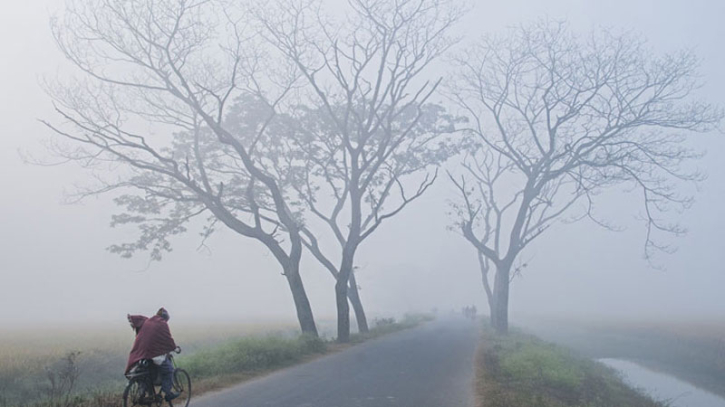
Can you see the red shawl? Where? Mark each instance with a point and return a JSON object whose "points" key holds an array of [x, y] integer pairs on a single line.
{"points": [[153, 338]]}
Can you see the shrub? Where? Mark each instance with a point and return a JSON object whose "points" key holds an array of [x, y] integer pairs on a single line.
{"points": [[382, 322], [543, 363], [63, 377], [251, 354]]}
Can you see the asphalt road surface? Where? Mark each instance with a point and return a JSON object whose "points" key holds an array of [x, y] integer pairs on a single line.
{"points": [[429, 366]]}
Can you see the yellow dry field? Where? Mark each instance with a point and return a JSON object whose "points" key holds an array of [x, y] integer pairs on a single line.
{"points": [[19, 346], [26, 354]]}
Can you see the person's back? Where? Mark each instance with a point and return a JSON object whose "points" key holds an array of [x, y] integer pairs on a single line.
{"points": [[153, 341]]}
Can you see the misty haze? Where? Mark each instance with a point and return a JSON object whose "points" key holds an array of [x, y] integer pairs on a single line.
{"points": [[430, 203]]}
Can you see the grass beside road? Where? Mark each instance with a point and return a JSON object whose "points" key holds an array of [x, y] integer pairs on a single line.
{"points": [[691, 351], [247, 358], [524, 371]]}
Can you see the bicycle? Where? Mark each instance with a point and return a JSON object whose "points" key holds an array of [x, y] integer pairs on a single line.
{"points": [[143, 381]]}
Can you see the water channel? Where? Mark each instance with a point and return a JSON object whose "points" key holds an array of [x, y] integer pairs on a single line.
{"points": [[664, 387]]}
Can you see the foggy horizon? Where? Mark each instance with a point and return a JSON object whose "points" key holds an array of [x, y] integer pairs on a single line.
{"points": [[55, 269]]}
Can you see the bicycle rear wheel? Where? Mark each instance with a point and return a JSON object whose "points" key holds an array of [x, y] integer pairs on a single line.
{"points": [[182, 386], [132, 394]]}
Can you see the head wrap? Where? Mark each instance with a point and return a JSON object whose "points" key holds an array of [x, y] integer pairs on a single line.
{"points": [[163, 313]]}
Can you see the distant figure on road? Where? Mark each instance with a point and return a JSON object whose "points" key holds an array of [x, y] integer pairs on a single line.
{"points": [[469, 312], [154, 341]]}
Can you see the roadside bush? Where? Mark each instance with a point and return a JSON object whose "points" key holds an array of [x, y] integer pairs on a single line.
{"points": [[251, 354], [381, 322], [63, 377]]}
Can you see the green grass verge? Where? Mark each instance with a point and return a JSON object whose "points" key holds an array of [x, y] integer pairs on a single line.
{"points": [[251, 355], [693, 352], [521, 370]]}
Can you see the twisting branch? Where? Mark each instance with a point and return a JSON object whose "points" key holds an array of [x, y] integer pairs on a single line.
{"points": [[210, 142], [365, 123]]}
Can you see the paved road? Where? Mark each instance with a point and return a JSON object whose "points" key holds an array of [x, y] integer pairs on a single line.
{"points": [[429, 366]]}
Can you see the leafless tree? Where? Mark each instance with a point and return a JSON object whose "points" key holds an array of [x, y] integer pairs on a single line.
{"points": [[555, 119], [327, 172], [180, 102], [368, 121]]}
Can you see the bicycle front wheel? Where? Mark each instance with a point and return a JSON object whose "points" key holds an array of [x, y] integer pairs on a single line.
{"points": [[182, 386]]}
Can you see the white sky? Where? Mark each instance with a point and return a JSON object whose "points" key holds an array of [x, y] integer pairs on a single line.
{"points": [[54, 267]]}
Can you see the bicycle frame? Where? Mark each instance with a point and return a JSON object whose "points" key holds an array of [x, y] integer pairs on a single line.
{"points": [[147, 382]]}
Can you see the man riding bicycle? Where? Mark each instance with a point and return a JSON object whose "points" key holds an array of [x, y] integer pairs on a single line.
{"points": [[154, 341]]}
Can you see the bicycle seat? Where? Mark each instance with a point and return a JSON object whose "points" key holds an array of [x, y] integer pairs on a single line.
{"points": [[143, 367]]}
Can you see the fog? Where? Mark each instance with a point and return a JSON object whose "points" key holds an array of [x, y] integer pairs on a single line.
{"points": [[54, 267]]}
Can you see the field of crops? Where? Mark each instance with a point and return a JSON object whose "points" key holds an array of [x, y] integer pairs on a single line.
{"points": [[30, 358]]}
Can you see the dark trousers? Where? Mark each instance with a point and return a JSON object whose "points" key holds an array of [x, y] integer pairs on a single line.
{"points": [[166, 372]]}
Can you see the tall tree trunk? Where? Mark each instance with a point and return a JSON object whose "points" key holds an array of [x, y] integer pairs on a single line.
{"points": [[348, 251], [302, 303], [352, 291], [500, 311], [343, 311], [485, 267], [354, 296], [341, 292]]}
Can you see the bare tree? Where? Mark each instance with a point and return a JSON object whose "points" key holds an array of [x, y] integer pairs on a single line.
{"points": [[155, 105], [368, 122], [556, 119], [328, 172]]}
